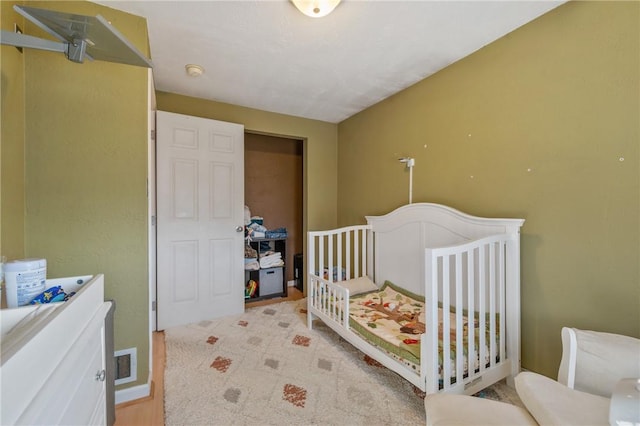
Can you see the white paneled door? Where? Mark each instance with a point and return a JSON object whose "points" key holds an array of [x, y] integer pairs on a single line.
{"points": [[200, 195]]}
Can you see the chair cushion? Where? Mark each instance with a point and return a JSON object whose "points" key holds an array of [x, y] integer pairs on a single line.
{"points": [[552, 403], [449, 410]]}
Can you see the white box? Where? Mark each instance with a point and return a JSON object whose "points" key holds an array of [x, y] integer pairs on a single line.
{"points": [[270, 281]]}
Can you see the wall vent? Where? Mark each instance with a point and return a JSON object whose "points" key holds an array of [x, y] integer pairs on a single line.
{"points": [[126, 365]]}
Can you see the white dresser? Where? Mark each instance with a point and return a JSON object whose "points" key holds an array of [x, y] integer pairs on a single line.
{"points": [[53, 365]]}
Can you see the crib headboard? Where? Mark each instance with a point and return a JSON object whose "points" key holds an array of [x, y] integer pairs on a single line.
{"points": [[398, 239]]}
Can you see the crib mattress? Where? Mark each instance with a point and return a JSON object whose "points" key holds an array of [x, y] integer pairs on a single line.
{"points": [[394, 319]]}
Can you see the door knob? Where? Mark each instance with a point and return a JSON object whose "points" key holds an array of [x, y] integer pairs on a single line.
{"points": [[239, 228]]}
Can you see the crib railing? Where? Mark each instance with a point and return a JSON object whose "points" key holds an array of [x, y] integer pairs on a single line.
{"points": [[329, 300], [470, 281], [334, 256], [339, 254]]}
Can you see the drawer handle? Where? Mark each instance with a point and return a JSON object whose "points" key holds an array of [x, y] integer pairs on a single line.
{"points": [[101, 375]]}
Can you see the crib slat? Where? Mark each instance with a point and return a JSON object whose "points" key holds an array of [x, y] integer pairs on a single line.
{"points": [[446, 344], [338, 297], [331, 295], [311, 259], [321, 264], [354, 251], [431, 318], [326, 297], [355, 254], [348, 249], [339, 257], [338, 302], [492, 303], [331, 260], [363, 263], [471, 340], [502, 287], [370, 256], [482, 307], [345, 302], [459, 319]]}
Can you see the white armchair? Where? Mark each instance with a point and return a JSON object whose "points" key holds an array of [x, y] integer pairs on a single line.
{"points": [[593, 364], [597, 385]]}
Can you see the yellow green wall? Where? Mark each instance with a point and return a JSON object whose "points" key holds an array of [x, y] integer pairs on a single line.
{"points": [[84, 135], [533, 126], [320, 148], [12, 137]]}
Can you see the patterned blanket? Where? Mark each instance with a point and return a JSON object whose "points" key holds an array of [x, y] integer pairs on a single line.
{"points": [[393, 319]]}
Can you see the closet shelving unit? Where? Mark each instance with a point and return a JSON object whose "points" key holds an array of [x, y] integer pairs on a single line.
{"points": [[271, 281]]}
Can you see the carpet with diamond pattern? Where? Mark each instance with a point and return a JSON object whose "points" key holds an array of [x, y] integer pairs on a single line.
{"points": [[265, 367]]}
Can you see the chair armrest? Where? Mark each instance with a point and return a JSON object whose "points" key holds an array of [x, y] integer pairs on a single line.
{"points": [[567, 370], [552, 403]]}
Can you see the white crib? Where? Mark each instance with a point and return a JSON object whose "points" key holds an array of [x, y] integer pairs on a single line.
{"points": [[460, 264]]}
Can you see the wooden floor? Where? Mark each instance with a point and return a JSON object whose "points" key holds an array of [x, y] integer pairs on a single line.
{"points": [[150, 410]]}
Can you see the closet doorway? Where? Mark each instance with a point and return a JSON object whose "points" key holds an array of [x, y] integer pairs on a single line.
{"points": [[273, 187]]}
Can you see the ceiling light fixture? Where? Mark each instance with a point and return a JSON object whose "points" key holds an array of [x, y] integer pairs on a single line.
{"points": [[194, 70], [315, 8]]}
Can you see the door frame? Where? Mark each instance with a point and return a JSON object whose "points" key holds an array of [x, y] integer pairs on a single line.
{"points": [[152, 213], [303, 143]]}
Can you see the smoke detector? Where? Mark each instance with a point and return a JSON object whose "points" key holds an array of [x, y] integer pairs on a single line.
{"points": [[194, 70]]}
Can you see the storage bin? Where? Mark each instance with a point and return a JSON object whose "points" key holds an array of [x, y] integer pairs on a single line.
{"points": [[270, 281]]}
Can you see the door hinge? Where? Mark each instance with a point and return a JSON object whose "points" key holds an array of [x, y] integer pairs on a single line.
{"points": [[153, 305], [153, 135], [153, 221]]}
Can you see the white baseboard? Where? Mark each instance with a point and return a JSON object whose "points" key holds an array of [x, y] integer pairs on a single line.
{"points": [[291, 283], [133, 393]]}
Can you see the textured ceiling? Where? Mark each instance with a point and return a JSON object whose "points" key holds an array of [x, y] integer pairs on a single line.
{"points": [[269, 56]]}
